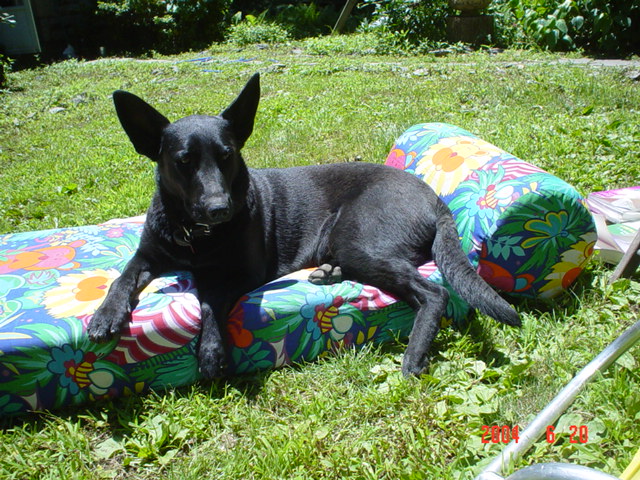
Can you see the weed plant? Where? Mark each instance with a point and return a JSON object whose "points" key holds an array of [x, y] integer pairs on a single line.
{"points": [[256, 29]]}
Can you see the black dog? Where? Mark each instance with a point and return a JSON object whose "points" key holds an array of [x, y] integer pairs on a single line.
{"points": [[236, 228]]}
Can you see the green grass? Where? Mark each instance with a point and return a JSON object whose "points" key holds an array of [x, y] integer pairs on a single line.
{"points": [[349, 415]]}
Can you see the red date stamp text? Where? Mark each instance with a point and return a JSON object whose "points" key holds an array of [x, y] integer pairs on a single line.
{"points": [[507, 433]]}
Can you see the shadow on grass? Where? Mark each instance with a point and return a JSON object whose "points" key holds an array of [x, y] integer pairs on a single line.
{"points": [[119, 412]]}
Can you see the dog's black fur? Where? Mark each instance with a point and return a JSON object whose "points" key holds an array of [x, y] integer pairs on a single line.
{"points": [[236, 228]]}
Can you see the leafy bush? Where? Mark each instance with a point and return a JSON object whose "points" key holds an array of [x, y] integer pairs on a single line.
{"points": [[301, 20], [5, 66], [196, 24], [599, 26], [5, 62], [608, 26], [508, 30], [252, 29], [162, 25], [549, 26], [306, 19], [414, 21]]}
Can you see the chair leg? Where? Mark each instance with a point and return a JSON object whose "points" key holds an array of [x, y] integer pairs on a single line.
{"points": [[629, 262]]}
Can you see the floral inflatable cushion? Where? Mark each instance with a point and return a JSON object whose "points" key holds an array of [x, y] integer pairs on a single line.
{"points": [[52, 281], [529, 232]]}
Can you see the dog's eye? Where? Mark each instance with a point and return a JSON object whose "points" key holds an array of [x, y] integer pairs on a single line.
{"points": [[227, 154], [183, 159]]}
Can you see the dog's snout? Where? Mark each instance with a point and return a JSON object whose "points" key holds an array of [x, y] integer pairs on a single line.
{"points": [[219, 213]]}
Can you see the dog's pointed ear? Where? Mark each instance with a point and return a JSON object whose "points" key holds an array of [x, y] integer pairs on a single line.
{"points": [[142, 123], [242, 112]]}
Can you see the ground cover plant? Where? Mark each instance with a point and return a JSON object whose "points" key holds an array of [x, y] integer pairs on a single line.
{"points": [[65, 161]]}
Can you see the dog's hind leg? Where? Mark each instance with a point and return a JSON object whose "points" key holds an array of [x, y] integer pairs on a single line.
{"points": [[400, 277], [430, 302], [326, 274]]}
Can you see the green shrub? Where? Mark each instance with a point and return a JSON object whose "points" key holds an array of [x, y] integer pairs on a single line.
{"points": [[508, 30], [252, 29], [549, 26], [306, 19], [5, 62], [5, 65], [608, 26], [598, 26], [163, 25], [413, 21], [197, 23], [300, 19]]}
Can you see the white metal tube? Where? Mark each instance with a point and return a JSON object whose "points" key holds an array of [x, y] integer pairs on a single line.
{"points": [[559, 471]]}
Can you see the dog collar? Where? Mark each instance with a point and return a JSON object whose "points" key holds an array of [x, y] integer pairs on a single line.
{"points": [[184, 236]]}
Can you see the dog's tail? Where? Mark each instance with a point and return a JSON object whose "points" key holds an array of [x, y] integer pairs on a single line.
{"points": [[456, 268]]}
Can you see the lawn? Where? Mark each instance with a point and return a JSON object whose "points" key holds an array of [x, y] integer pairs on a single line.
{"points": [[65, 161]]}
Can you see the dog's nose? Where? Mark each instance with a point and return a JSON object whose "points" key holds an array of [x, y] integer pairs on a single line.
{"points": [[219, 213]]}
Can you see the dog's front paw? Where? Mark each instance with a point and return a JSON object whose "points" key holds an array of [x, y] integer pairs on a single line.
{"points": [[106, 323], [212, 361], [412, 366]]}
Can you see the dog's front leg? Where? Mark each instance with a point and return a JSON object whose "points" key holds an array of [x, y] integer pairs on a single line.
{"points": [[214, 310], [215, 305], [115, 311]]}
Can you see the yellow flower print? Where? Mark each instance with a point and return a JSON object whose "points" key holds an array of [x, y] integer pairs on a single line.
{"points": [[450, 161], [571, 264], [79, 294], [76, 371]]}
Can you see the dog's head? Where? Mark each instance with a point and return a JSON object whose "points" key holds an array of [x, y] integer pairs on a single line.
{"points": [[198, 157]]}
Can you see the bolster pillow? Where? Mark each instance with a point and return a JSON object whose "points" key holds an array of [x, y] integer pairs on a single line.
{"points": [[529, 232]]}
